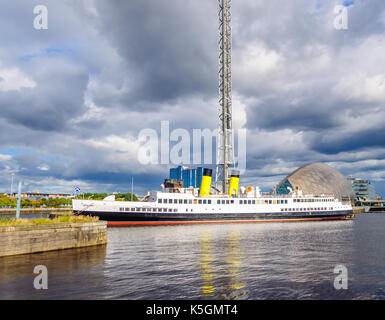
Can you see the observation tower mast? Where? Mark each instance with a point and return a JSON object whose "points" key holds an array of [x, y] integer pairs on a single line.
{"points": [[225, 151]]}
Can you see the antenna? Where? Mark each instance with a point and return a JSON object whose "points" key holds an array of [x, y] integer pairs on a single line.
{"points": [[225, 152]]}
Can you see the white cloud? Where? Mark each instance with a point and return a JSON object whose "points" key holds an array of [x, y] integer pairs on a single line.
{"points": [[14, 79]]}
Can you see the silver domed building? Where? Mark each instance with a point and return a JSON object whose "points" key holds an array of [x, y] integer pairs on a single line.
{"points": [[317, 178]]}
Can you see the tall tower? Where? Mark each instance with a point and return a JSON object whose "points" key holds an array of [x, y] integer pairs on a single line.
{"points": [[225, 152]]}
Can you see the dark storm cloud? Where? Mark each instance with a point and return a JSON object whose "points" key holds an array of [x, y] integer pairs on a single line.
{"points": [[57, 97], [365, 139], [168, 47]]}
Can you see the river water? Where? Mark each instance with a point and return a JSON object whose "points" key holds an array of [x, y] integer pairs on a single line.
{"points": [[292, 260]]}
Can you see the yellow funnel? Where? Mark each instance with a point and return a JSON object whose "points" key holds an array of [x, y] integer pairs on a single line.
{"points": [[206, 183], [234, 182]]}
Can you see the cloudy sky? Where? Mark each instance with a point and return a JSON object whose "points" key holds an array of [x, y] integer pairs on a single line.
{"points": [[74, 97]]}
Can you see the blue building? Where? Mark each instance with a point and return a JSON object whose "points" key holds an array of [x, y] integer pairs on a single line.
{"points": [[191, 177], [199, 176], [176, 173]]}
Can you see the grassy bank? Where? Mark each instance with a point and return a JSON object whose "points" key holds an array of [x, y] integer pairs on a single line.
{"points": [[36, 211], [9, 222]]}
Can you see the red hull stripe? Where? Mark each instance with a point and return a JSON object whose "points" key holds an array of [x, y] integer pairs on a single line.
{"points": [[155, 223]]}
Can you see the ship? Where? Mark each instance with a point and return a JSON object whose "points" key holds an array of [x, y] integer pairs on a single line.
{"points": [[179, 205], [223, 202]]}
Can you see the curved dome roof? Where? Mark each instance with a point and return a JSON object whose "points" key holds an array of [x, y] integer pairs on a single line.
{"points": [[317, 178]]}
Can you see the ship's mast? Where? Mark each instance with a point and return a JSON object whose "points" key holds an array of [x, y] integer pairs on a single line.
{"points": [[225, 152]]}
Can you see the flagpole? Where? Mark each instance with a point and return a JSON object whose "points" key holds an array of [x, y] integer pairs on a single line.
{"points": [[132, 188]]}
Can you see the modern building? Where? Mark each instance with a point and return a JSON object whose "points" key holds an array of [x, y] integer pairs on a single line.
{"points": [[176, 173], [363, 189], [39, 195], [191, 177], [317, 178]]}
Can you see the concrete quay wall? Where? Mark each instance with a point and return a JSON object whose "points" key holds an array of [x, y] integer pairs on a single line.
{"points": [[47, 237]]}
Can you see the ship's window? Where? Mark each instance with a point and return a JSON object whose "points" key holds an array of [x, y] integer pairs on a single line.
{"points": [[285, 201], [240, 201], [153, 209], [232, 201], [253, 201], [159, 200], [127, 209], [175, 200], [169, 210], [266, 202], [185, 201], [190, 201], [164, 200], [269, 201], [223, 201], [218, 201], [175, 210], [227, 201], [209, 201], [169, 200], [249, 201], [164, 209], [200, 201], [180, 200], [204, 201], [159, 209]]}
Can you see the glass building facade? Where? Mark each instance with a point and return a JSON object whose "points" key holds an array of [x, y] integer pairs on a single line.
{"points": [[191, 177], [363, 188]]}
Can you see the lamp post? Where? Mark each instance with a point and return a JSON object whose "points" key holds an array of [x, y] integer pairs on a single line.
{"points": [[12, 175], [18, 201]]}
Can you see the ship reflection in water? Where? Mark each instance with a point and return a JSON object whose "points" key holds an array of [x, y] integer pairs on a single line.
{"points": [[230, 287], [223, 261]]}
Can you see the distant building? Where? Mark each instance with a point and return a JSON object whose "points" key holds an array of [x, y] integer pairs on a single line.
{"points": [[38, 195], [363, 188], [191, 177]]}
